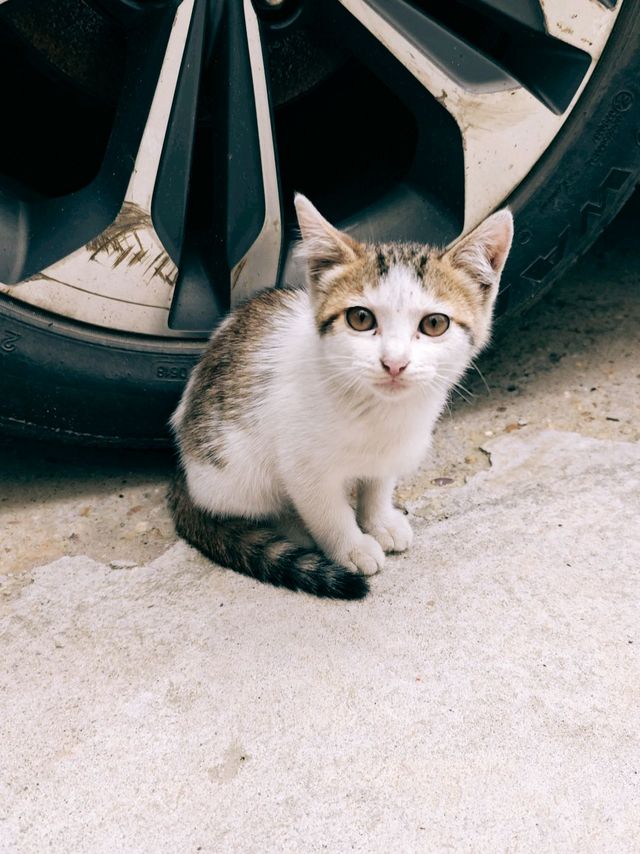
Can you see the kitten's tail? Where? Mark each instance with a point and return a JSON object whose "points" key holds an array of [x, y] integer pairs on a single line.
{"points": [[259, 551]]}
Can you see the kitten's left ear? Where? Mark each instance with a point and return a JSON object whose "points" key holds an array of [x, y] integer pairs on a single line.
{"points": [[483, 253], [323, 246]]}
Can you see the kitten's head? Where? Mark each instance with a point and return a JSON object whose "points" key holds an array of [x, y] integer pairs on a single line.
{"points": [[397, 317]]}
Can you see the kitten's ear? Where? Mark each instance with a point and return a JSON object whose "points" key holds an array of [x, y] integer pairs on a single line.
{"points": [[483, 253], [323, 246]]}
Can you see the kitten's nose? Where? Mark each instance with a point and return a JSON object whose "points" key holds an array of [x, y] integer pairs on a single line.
{"points": [[394, 367]]}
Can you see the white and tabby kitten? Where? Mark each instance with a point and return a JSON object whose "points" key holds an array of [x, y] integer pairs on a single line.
{"points": [[303, 395]]}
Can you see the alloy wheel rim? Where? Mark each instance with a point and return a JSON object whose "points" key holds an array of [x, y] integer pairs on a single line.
{"points": [[147, 271]]}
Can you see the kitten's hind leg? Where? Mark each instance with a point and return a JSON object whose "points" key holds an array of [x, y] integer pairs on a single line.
{"points": [[292, 526], [378, 517], [254, 548], [330, 519]]}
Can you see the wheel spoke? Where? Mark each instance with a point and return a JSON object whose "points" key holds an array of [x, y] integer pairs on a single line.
{"points": [[462, 62], [581, 23], [124, 277], [127, 277], [515, 36], [504, 130], [258, 265], [526, 12], [234, 234]]}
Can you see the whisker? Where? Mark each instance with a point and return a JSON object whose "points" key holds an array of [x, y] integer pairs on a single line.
{"points": [[443, 384], [464, 389], [481, 375], [439, 387], [461, 394]]}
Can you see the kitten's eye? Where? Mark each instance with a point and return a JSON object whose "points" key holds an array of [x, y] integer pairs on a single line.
{"points": [[360, 319], [434, 325]]}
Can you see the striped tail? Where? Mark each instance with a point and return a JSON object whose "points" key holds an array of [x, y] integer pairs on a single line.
{"points": [[254, 549]]}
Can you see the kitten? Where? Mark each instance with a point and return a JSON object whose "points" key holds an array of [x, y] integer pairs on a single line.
{"points": [[304, 394]]}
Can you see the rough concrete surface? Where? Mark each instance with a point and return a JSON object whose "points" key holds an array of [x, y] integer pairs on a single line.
{"points": [[485, 697]]}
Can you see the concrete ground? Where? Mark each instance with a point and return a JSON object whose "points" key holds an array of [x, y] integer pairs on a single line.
{"points": [[484, 698]]}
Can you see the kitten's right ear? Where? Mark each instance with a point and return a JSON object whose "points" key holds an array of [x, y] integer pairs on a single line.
{"points": [[483, 253], [323, 247]]}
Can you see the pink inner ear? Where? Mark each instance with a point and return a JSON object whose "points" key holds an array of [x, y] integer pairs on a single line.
{"points": [[497, 233], [483, 253], [495, 258], [319, 237]]}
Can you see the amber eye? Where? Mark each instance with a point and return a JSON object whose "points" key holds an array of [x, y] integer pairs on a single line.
{"points": [[360, 319], [434, 324]]}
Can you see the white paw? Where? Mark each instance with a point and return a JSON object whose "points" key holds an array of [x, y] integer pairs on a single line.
{"points": [[363, 556], [392, 531]]}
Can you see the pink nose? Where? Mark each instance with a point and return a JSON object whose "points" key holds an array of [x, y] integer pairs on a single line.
{"points": [[394, 367]]}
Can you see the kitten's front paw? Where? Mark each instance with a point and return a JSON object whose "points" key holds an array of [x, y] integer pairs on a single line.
{"points": [[363, 556], [392, 531]]}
